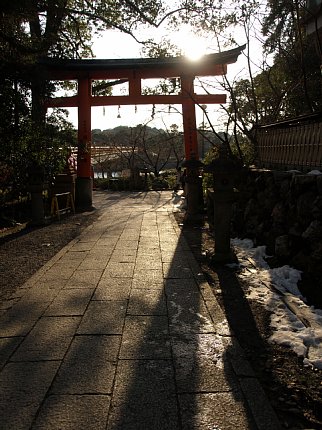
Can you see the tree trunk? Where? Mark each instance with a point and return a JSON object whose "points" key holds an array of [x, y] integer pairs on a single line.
{"points": [[38, 95]]}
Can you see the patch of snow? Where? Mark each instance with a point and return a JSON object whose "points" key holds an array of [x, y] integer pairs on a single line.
{"points": [[315, 172], [178, 201], [285, 278], [288, 329]]}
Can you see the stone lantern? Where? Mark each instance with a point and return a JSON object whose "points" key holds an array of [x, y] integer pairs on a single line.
{"points": [[193, 188], [225, 168]]}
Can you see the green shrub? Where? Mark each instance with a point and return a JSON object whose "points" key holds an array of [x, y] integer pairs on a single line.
{"points": [[170, 176], [100, 183], [159, 184]]}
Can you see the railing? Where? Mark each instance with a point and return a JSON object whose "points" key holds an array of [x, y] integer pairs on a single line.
{"points": [[294, 144]]}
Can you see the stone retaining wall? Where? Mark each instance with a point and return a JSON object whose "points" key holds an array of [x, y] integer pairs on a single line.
{"points": [[283, 210]]}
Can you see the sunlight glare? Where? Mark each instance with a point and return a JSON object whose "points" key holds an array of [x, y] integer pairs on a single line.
{"points": [[192, 46]]}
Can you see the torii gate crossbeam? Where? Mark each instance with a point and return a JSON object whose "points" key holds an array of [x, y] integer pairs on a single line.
{"points": [[133, 71]]}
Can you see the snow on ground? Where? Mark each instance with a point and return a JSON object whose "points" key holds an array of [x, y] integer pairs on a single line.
{"points": [[277, 290], [288, 329], [178, 201]]}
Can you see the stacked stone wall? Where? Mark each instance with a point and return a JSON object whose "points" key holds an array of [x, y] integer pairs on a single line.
{"points": [[283, 210]]}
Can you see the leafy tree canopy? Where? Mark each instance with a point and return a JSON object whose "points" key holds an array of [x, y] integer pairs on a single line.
{"points": [[63, 28]]}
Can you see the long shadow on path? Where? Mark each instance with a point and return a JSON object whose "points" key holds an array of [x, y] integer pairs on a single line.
{"points": [[121, 332], [173, 371]]}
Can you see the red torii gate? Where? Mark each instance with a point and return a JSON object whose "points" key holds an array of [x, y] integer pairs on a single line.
{"points": [[133, 71]]}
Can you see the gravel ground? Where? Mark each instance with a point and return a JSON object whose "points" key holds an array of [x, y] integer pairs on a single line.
{"points": [[23, 252], [294, 391]]}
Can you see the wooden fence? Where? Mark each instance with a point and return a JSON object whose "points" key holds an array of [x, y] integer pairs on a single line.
{"points": [[294, 144]]}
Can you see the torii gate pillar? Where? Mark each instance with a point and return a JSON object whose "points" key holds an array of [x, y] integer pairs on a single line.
{"points": [[193, 185], [189, 118], [84, 181]]}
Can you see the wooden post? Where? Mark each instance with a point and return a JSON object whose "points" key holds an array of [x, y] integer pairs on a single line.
{"points": [[84, 129]]}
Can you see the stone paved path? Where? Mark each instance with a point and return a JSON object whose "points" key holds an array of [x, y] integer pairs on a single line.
{"points": [[121, 331]]}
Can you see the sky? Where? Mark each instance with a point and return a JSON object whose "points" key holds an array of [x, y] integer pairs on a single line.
{"points": [[114, 44]]}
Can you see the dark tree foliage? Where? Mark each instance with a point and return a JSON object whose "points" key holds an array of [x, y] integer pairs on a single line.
{"points": [[295, 55], [30, 30]]}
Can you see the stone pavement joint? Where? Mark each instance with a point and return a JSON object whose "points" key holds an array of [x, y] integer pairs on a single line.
{"points": [[121, 331]]}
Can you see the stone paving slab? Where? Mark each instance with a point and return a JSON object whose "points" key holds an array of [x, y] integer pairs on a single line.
{"points": [[148, 284], [45, 293], [144, 396], [59, 272], [70, 302], [204, 411], [7, 346], [120, 331], [89, 366], [146, 337], [84, 278], [103, 317], [23, 387], [113, 289], [123, 256], [203, 359], [71, 412], [74, 258], [119, 270], [153, 276], [96, 261], [20, 319], [149, 302], [48, 340]]}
